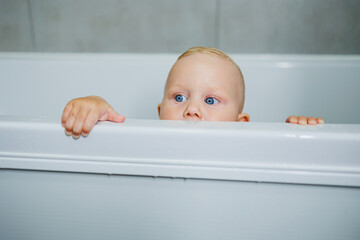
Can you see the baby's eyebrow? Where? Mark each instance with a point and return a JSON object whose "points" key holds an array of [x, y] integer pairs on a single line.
{"points": [[213, 90], [176, 88]]}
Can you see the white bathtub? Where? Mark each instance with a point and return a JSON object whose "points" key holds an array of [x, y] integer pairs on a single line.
{"points": [[151, 179]]}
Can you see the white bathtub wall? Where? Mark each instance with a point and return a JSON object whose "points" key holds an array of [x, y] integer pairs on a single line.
{"points": [[148, 179], [41, 85], [310, 85], [276, 85], [57, 206]]}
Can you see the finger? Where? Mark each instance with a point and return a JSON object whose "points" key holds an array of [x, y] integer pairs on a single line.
{"points": [[115, 117], [91, 120], [292, 119], [320, 121], [302, 120], [66, 113], [79, 122], [71, 120], [311, 121]]}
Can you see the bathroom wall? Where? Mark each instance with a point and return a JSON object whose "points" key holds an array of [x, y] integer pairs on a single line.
{"points": [[160, 26]]}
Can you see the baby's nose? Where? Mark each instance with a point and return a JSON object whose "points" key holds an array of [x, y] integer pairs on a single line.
{"points": [[193, 112]]}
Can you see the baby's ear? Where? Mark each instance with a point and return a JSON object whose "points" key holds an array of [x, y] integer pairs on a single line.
{"points": [[243, 117], [159, 106]]}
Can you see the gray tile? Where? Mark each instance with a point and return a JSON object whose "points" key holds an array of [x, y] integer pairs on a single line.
{"points": [[15, 26], [123, 25], [290, 26]]}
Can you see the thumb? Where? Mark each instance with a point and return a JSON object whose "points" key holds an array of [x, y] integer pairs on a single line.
{"points": [[113, 116]]}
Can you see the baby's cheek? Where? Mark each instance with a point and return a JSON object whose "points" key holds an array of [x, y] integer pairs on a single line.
{"points": [[227, 115], [169, 112]]}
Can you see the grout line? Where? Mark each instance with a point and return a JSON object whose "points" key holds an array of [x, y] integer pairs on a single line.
{"points": [[217, 23], [32, 28]]}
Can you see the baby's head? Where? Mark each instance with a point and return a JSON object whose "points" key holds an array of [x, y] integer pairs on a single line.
{"points": [[204, 84]]}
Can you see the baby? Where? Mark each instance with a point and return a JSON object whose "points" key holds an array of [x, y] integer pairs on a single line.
{"points": [[204, 84]]}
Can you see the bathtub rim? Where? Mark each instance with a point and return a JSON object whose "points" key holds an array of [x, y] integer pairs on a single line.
{"points": [[277, 170]]}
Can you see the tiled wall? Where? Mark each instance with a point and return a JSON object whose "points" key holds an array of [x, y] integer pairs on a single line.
{"points": [[235, 26]]}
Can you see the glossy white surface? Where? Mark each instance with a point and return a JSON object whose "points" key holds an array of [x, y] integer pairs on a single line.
{"points": [[261, 152], [276, 85]]}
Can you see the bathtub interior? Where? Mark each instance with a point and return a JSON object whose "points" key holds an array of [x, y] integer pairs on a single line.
{"points": [[276, 85]]}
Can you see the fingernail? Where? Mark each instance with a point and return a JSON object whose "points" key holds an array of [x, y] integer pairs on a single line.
{"points": [[85, 134], [312, 122], [68, 133], [76, 136], [302, 122]]}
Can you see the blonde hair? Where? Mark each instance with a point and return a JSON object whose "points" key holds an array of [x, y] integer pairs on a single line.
{"points": [[217, 52]]}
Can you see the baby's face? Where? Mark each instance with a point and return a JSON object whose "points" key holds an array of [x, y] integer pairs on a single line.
{"points": [[202, 87]]}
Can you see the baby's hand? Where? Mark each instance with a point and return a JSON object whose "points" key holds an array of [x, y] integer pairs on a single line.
{"points": [[302, 120], [81, 114]]}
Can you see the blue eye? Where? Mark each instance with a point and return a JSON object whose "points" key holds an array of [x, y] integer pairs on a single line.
{"points": [[180, 98], [211, 101]]}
